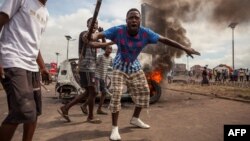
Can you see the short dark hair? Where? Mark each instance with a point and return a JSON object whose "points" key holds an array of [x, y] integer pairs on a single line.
{"points": [[133, 9]]}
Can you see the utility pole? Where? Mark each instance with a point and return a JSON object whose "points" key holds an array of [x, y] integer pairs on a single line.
{"points": [[69, 38], [57, 53], [232, 25]]}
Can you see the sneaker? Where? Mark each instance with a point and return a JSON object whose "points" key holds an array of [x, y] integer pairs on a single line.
{"points": [[115, 136], [137, 122]]}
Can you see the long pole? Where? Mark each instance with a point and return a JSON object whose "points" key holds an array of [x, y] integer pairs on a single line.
{"points": [[233, 46], [68, 38], [232, 25], [68, 50], [57, 58]]}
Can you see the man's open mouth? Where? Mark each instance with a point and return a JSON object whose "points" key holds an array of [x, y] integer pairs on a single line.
{"points": [[134, 25]]}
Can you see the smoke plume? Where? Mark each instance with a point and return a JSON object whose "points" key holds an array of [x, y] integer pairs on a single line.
{"points": [[226, 11], [166, 17]]}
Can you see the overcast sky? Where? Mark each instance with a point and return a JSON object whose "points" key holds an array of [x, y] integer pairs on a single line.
{"points": [[68, 17]]}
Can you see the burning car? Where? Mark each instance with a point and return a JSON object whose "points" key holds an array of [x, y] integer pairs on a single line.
{"points": [[68, 86]]}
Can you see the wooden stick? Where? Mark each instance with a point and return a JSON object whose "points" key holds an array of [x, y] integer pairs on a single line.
{"points": [[97, 8]]}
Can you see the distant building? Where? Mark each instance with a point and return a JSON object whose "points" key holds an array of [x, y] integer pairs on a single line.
{"points": [[143, 11], [145, 8], [179, 69], [196, 69]]}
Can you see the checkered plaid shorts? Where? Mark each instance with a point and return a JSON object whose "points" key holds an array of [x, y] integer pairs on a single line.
{"points": [[137, 86]]}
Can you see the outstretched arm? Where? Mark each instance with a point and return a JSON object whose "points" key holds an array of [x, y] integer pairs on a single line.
{"points": [[100, 29], [100, 44], [98, 35], [173, 43], [94, 39]]}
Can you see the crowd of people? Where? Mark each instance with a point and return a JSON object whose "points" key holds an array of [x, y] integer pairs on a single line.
{"points": [[222, 75], [22, 62], [237, 75]]}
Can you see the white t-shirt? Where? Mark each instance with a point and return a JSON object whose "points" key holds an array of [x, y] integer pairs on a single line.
{"points": [[21, 36]]}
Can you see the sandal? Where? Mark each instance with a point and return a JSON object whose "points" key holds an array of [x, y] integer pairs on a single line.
{"points": [[100, 112], [94, 121], [84, 109], [66, 117]]}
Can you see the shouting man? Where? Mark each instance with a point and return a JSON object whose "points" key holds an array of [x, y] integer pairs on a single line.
{"points": [[131, 39]]}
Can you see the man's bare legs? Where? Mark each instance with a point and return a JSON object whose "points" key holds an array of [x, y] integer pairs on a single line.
{"points": [[65, 109], [115, 117], [28, 131], [134, 121], [7, 131], [99, 109], [115, 131], [91, 102], [137, 112]]}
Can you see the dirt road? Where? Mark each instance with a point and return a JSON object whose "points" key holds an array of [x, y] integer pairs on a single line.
{"points": [[176, 117]]}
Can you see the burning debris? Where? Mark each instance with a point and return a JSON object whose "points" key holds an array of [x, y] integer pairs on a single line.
{"points": [[156, 75]]}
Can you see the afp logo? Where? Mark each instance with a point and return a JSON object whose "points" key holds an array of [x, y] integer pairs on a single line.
{"points": [[236, 132]]}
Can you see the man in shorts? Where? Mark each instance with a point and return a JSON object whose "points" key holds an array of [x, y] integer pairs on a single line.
{"points": [[22, 23], [131, 39], [104, 61], [87, 68]]}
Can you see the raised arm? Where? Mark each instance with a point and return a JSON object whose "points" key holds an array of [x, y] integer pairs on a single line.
{"points": [[173, 43]]}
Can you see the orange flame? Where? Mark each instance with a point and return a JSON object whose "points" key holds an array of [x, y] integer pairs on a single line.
{"points": [[156, 75]]}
